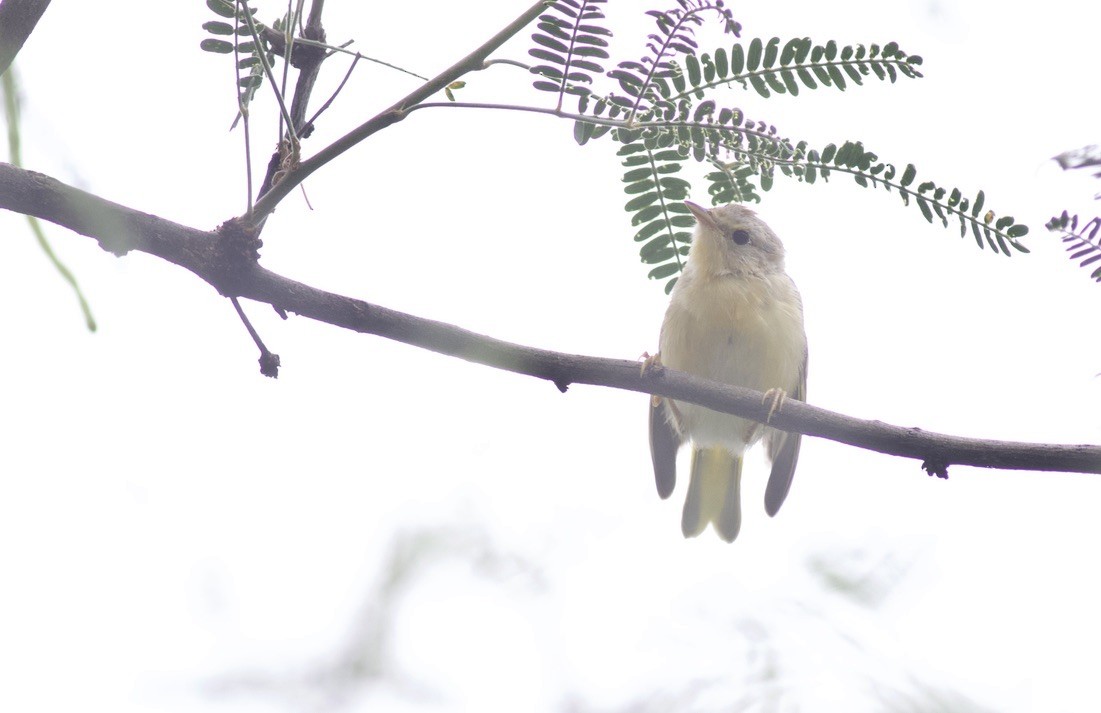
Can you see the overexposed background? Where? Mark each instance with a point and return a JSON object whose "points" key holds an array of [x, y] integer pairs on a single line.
{"points": [[382, 528]]}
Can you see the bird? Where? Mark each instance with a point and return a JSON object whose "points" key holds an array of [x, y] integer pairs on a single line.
{"points": [[734, 316]]}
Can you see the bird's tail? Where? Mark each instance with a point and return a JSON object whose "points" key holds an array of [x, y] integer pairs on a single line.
{"points": [[713, 493]]}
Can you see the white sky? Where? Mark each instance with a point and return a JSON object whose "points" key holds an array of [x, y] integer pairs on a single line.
{"points": [[178, 533]]}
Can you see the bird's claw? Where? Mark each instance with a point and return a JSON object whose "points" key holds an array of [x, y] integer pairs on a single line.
{"points": [[647, 363], [777, 397]]}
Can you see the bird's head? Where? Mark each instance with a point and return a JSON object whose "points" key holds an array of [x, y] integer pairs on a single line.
{"points": [[731, 239]]}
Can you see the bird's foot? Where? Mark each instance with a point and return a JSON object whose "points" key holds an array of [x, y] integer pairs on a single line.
{"points": [[649, 362], [775, 397]]}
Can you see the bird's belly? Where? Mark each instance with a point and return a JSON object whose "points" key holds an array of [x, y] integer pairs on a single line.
{"points": [[743, 332]]}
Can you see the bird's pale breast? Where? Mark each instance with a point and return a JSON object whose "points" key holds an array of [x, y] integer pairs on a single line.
{"points": [[746, 331]]}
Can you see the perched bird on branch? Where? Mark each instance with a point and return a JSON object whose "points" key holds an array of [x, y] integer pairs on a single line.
{"points": [[735, 317]]}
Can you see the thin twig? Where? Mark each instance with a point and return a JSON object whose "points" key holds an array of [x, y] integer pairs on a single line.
{"points": [[343, 48], [307, 76], [287, 153], [269, 362], [268, 73], [509, 62], [472, 62], [288, 42], [329, 101], [242, 110]]}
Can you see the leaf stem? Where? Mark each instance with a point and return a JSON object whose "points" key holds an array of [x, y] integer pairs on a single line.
{"points": [[681, 21], [472, 62], [741, 78], [358, 55], [664, 208], [598, 121], [242, 110], [738, 150], [268, 73]]}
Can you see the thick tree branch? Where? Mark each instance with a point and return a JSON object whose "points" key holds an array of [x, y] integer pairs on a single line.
{"points": [[472, 62], [120, 229], [18, 19]]}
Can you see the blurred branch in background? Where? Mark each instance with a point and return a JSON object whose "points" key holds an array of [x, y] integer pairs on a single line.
{"points": [[1085, 157], [790, 652], [10, 89], [1082, 243], [367, 657]]}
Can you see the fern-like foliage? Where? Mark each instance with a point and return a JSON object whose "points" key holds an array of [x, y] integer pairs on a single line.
{"points": [[732, 183], [1082, 243], [768, 68], [247, 49], [657, 204], [936, 203], [573, 40], [646, 80], [659, 110]]}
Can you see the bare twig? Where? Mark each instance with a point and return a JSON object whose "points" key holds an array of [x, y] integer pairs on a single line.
{"points": [[472, 62], [307, 75], [308, 60], [269, 361], [279, 45], [243, 113], [340, 88], [268, 73]]}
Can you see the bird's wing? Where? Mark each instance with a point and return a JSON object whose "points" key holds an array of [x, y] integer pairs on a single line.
{"points": [[783, 451], [664, 442]]}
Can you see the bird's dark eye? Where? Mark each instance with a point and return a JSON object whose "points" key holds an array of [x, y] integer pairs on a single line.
{"points": [[740, 237]]}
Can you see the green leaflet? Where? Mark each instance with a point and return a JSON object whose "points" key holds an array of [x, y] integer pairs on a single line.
{"points": [[665, 112]]}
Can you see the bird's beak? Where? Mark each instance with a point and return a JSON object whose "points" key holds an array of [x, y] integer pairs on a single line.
{"points": [[703, 217]]}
